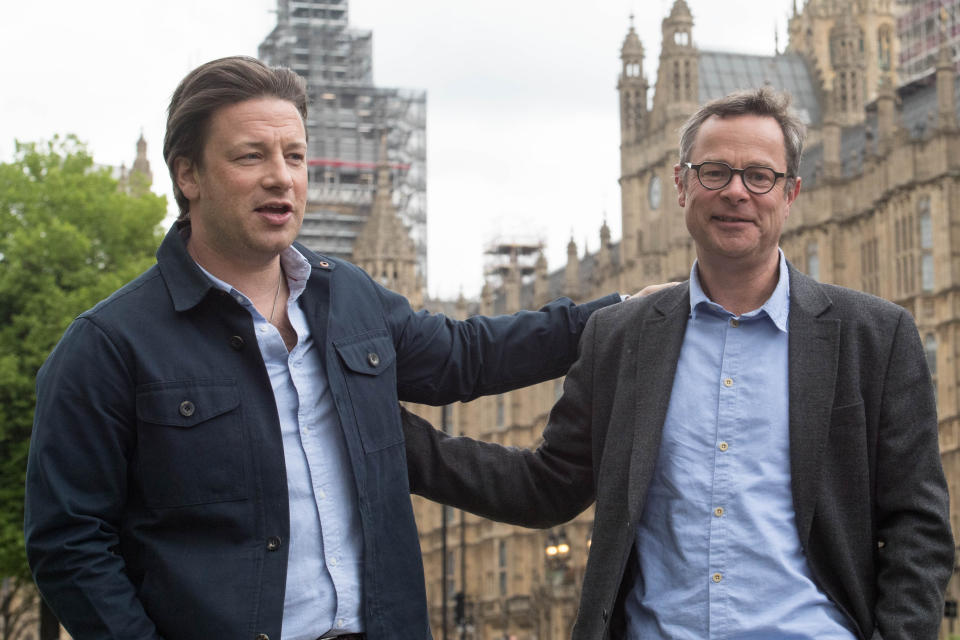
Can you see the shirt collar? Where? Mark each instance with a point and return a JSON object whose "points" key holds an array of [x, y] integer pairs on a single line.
{"points": [[777, 306], [295, 267]]}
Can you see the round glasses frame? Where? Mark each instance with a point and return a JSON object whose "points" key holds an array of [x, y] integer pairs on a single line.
{"points": [[765, 171]]}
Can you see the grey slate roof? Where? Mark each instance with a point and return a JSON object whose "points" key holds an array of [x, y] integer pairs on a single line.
{"points": [[722, 73]]}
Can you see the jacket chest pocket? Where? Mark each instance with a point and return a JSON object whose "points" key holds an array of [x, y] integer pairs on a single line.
{"points": [[190, 443], [368, 367]]}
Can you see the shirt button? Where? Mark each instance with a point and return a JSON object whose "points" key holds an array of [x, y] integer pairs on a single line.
{"points": [[238, 299], [373, 359], [718, 511], [728, 382], [236, 342], [187, 408], [734, 323], [273, 543], [716, 577], [321, 494], [333, 562], [263, 328], [723, 446], [340, 623]]}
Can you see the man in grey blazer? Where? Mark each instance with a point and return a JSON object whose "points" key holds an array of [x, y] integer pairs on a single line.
{"points": [[762, 448]]}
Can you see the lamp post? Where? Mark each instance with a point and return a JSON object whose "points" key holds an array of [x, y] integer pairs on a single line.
{"points": [[557, 552]]}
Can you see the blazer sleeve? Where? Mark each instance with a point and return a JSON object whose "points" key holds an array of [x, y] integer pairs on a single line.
{"points": [[76, 487], [914, 543], [540, 488]]}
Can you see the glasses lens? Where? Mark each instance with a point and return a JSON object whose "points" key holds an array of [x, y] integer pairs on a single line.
{"points": [[759, 179], [714, 175]]}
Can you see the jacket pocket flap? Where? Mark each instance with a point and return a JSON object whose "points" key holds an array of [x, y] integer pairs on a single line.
{"points": [[186, 404], [368, 353]]}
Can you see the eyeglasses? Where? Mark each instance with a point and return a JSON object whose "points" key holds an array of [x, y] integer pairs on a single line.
{"points": [[717, 175]]}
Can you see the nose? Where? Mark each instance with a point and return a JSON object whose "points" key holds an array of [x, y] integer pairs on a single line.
{"points": [[277, 176], [735, 191]]}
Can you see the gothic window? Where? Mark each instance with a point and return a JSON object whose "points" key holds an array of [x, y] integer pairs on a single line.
{"points": [[926, 245], [813, 260], [884, 47], [930, 349], [905, 249], [502, 561], [676, 78], [870, 266]]}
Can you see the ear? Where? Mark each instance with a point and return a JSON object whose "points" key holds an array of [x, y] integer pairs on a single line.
{"points": [[188, 177], [681, 188], [792, 194]]}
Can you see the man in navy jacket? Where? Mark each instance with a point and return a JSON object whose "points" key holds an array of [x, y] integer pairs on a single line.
{"points": [[217, 449]]}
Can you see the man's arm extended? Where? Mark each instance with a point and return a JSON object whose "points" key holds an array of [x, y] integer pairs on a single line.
{"points": [[538, 488]]}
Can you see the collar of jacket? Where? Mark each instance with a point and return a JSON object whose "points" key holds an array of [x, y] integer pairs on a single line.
{"points": [[804, 292], [187, 284]]}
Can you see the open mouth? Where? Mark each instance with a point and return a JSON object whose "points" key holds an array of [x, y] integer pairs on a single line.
{"points": [[274, 209]]}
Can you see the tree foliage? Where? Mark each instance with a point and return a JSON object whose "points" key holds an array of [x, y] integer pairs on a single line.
{"points": [[68, 238]]}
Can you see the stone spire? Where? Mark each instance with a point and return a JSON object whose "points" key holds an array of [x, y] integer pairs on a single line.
{"points": [[678, 92], [141, 164], [849, 68], [383, 247], [946, 102], [571, 285], [633, 87]]}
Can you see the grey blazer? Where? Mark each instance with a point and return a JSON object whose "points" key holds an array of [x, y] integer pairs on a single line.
{"points": [[868, 487]]}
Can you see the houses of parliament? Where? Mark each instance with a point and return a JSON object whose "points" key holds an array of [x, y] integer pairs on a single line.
{"points": [[879, 211]]}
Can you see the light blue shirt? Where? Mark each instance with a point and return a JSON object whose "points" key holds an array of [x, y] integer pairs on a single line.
{"points": [[325, 560], [718, 551]]}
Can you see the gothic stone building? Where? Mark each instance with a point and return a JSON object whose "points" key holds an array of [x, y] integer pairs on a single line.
{"points": [[879, 211]]}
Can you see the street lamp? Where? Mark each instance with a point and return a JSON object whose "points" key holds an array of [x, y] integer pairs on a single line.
{"points": [[557, 552]]}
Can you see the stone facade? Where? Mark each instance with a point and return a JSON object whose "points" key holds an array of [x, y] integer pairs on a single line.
{"points": [[881, 180]]}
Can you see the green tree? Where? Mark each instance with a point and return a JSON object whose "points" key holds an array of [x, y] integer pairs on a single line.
{"points": [[68, 238]]}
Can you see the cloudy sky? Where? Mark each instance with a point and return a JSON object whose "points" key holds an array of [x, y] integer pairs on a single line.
{"points": [[522, 120]]}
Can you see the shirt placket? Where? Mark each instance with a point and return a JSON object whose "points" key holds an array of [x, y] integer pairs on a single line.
{"points": [[319, 461], [723, 477]]}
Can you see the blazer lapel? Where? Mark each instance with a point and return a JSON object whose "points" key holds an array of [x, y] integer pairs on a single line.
{"points": [[658, 341], [813, 353]]}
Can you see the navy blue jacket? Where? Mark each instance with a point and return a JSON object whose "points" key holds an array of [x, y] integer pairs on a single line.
{"points": [[156, 491]]}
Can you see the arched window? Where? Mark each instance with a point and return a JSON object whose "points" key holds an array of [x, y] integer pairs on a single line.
{"points": [[930, 349]]}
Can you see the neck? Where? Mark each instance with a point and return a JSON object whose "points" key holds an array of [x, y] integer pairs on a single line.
{"points": [[255, 279], [737, 287]]}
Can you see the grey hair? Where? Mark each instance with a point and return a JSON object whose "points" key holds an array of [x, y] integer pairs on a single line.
{"points": [[764, 101]]}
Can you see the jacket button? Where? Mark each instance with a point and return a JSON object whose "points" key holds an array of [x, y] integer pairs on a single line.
{"points": [[236, 342], [273, 543], [373, 359], [187, 408], [262, 636], [604, 615]]}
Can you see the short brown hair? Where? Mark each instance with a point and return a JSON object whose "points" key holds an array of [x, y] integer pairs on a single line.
{"points": [[217, 84], [757, 102]]}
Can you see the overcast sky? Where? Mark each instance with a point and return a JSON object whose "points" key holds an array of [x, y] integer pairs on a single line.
{"points": [[522, 112]]}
